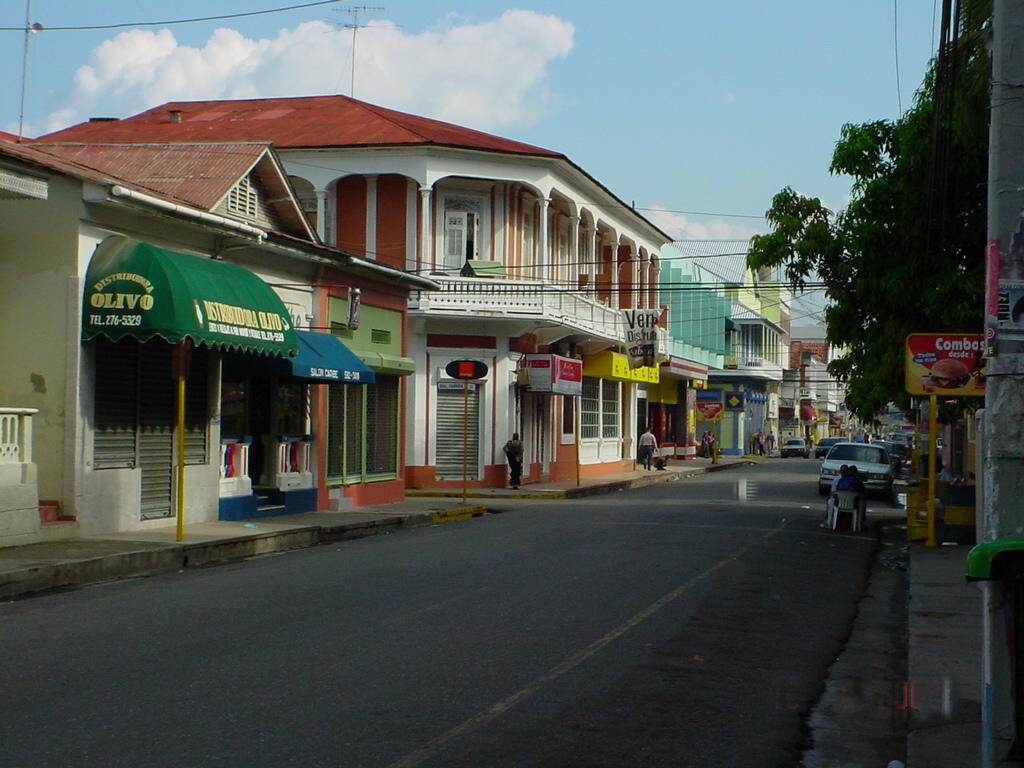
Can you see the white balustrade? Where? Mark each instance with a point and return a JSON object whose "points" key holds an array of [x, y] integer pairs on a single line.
{"points": [[292, 468], [234, 468], [16, 435], [521, 298]]}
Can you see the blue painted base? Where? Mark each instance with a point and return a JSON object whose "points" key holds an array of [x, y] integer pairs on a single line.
{"points": [[732, 451], [246, 507], [237, 507], [301, 500]]}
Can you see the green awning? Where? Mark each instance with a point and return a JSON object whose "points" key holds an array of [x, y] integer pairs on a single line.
{"points": [[134, 289]]}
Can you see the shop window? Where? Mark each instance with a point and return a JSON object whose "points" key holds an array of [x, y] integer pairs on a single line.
{"points": [[609, 409], [362, 430], [233, 416], [568, 415], [590, 408]]}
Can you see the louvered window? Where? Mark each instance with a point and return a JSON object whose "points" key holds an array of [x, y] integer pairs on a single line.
{"points": [[362, 430], [382, 426], [244, 200]]}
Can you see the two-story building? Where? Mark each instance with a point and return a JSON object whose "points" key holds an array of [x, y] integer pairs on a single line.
{"points": [[535, 261], [163, 308]]}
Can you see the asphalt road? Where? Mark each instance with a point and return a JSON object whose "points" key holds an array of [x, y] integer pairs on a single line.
{"points": [[676, 625]]}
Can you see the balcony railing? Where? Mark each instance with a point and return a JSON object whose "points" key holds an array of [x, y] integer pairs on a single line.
{"points": [[16, 435], [522, 299]]}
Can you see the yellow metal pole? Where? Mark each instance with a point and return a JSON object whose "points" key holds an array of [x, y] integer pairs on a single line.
{"points": [[576, 423], [180, 501], [465, 438], [932, 442]]}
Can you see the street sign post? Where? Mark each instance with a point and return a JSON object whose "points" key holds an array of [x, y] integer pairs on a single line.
{"points": [[466, 371]]}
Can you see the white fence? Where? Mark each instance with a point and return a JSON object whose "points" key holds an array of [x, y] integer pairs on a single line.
{"points": [[16, 435]]}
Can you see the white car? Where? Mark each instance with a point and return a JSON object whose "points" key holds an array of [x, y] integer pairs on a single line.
{"points": [[872, 462]]}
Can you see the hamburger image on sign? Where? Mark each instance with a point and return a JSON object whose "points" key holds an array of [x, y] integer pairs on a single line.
{"points": [[948, 373]]}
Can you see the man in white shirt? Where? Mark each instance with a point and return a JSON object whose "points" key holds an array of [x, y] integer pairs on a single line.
{"points": [[646, 447]]}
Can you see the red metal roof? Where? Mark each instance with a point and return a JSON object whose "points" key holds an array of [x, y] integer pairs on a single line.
{"points": [[304, 121], [198, 174]]}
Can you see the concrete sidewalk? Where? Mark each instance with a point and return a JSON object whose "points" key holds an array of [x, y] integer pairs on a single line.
{"points": [[571, 489], [83, 560], [944, 635]]}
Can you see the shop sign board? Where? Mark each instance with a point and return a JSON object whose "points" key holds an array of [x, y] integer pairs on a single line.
{"points": [[950, 364], [466, 370], [734, 401], [710, 410], [554, 373], [641, 335]]}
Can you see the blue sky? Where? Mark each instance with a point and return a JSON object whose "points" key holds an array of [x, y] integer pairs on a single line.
{"points": [[679, 106]]}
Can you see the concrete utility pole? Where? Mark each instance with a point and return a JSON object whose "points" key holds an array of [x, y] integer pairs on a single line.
{"points": [[1002, 472]]}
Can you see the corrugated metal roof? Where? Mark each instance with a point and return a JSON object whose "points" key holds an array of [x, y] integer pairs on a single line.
{"points": [[725, 260], [741, 311], [306, 121], [198, 174]]}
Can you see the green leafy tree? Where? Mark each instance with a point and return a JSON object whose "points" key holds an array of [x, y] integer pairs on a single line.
{"points": [[907, 254]]}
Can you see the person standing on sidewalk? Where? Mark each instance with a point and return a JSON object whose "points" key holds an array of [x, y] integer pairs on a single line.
{"points": [[646, 447], [514, 455]]}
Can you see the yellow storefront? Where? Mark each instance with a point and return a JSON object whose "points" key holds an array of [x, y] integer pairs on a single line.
{"points": [[608, 411]]}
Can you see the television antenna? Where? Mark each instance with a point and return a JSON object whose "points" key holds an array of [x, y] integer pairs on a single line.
{"points": [[355, 26]]}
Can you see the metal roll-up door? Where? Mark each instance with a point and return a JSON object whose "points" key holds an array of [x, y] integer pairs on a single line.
{"points": [[449, 432], [157, 412], [116, 404]]}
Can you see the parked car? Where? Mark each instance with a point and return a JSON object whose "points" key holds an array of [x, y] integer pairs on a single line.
{"points": [[795, 446], [821, 449], [872, 462], [898, 453]]}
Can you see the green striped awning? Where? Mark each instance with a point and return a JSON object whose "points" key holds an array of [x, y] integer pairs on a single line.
{"points": [[137, 290]]}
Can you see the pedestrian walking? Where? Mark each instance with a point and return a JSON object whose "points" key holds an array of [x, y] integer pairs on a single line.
{"points": [[771, 443], [514, 455], [761, 440], [706, 442], [646, 447]]}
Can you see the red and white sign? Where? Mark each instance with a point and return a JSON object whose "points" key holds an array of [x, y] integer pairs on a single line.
{"points": [[710, 410], [948, 364], [556, 374]]}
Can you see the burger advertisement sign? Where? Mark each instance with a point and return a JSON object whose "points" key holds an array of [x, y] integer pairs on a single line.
{"points": [[950, 364]]}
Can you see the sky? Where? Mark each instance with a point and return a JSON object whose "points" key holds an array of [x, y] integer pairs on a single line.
{"points": [[696, 112]]}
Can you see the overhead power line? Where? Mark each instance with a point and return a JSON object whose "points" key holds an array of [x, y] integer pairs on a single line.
{"points": [[125, 25]]}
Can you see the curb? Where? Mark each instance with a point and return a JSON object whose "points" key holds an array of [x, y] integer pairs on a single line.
{"points": [[39, 577], [583, 491]]}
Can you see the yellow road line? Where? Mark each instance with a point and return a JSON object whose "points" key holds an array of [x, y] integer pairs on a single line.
{"points": [[499, 708]]}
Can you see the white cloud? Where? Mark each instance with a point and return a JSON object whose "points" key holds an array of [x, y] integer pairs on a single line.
{"points": [[681, 227], [487, 75]]}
